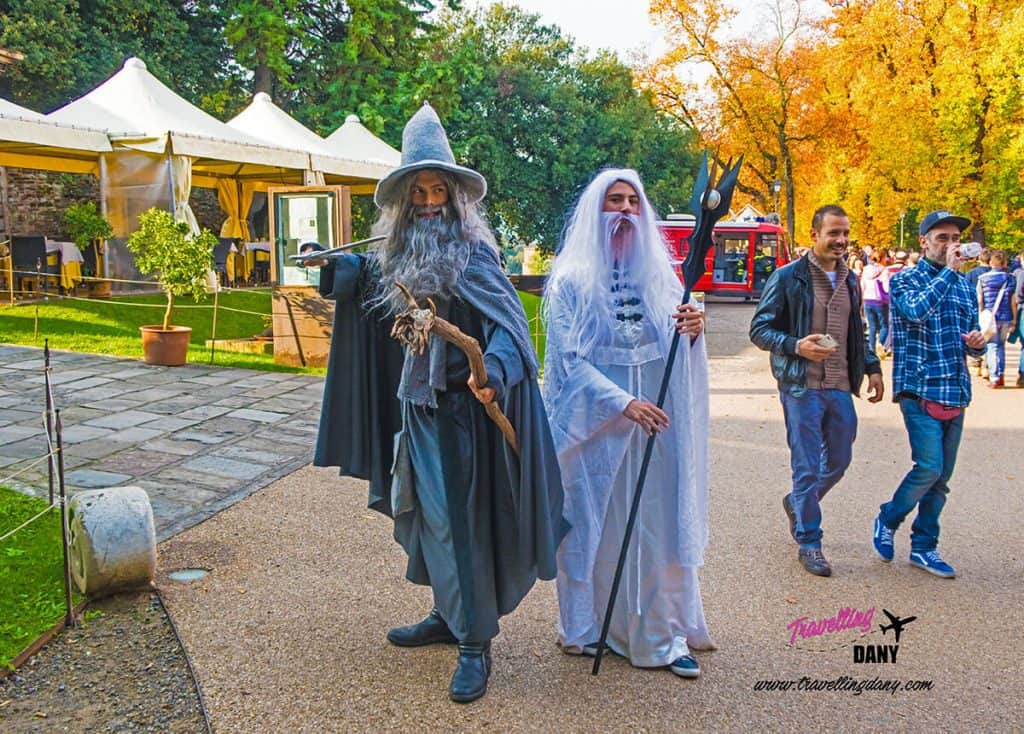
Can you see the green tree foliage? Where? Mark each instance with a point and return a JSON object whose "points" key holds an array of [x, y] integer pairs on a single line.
{"points": [[324, 59], [70, 46], [48, 34], [538, 117], [356, 53], [166, 249]]}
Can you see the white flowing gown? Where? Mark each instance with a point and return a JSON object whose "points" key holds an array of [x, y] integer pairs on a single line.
{"points": [[659, 615]]}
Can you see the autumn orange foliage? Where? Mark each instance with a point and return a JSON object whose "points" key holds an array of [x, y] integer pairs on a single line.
{"points": [[890, 108]]}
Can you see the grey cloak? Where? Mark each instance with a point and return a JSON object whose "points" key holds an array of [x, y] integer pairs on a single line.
{"points": [[505, 511]]}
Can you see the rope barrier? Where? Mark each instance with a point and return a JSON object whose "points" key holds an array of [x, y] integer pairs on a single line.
{"points": [[21, 471], [25, 524], [94, 279], [52, 452], [112, 301]]}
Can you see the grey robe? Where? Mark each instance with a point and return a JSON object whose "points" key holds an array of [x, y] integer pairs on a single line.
{"points": [[505, 511]]}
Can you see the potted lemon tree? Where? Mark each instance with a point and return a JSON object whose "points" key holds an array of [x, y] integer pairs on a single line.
{"points": [[88, 229], [167, 250]]}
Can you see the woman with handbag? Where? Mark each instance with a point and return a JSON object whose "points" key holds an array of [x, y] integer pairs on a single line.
{"points": [[998, 314]]}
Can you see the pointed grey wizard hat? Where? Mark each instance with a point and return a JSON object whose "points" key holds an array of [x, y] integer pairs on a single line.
{"points": [[425, 145]]}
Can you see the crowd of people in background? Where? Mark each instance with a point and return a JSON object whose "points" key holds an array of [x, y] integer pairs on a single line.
{"points": [[995, 277]]}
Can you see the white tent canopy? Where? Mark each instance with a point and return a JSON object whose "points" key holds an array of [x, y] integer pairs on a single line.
{"points": [[9, 109], [354, 142], [140, 112], [29, 140], [265, 120]]}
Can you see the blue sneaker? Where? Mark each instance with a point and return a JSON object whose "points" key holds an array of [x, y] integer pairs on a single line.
{"points": [[685, 667], [932, 562], [883, 540]]}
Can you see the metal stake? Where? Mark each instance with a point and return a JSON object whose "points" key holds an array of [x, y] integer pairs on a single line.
{"points": [[49, 415], [69, 617]]}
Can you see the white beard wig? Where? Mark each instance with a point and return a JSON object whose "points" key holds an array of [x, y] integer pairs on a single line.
{"points": [[426, 255], [582, 271]]}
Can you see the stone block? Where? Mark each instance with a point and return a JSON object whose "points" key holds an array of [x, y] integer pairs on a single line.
{"points": [[135, 434], [97, 448], [93, 479], [80, 433], [112, 540], [204, 412], [174, 446], [19, 432], [123, 419], [259, 416], [227, 468]]}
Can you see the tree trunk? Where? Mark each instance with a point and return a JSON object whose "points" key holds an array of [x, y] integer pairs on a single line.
{"points": [[167, 313], [263, 80]]}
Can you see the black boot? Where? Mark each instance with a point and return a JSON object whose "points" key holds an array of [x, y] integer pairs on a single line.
{"points": [[469, 681], [430, 631]]}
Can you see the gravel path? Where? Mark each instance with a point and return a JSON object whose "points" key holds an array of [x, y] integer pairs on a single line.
{"points": [[122, 671], [288, 630]]}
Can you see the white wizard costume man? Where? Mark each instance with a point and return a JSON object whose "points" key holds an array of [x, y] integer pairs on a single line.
{"points": [[611, 304]]}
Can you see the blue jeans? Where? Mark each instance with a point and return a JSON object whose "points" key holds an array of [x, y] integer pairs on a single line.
{"points": [[995, 350], [821, 426], [933, 446], [878, 323]]}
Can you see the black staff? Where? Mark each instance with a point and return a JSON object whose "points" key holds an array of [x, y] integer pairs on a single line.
{"points": [[709, 202]]}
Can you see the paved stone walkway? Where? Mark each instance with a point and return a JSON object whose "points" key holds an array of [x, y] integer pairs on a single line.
{"points": [[197, 438]]}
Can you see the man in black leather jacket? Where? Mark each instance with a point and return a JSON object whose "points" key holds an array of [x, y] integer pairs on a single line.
{"points": [[809, 319]]}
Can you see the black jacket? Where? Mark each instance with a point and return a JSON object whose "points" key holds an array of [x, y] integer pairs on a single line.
{"points": [[783, 317]]}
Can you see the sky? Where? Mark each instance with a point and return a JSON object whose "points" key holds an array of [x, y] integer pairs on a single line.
{"points": [[623, 25]]}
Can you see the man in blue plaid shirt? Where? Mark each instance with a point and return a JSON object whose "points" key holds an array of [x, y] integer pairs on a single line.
{"points": [[934, 327]]}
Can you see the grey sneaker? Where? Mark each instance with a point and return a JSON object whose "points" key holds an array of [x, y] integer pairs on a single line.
{"points": [[814, 561]]}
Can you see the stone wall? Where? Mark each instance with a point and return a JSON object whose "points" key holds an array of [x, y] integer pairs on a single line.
{"points": [[207, 209], [35, 201]]}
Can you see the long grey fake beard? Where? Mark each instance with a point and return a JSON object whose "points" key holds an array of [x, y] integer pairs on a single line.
{"points": [[427, 256]]}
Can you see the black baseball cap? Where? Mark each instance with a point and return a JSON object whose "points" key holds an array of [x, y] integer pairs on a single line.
{"points": [[941, 216]]}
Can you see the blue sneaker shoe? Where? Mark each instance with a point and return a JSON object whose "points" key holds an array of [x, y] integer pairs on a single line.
{"points": [[932, 562], [883, 540], [685, 667]]}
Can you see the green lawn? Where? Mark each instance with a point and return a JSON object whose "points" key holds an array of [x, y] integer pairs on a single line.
{"points": [[531, 304], [112, 326], [31, 573]]}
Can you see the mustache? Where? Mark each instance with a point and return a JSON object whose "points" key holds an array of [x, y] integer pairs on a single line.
{"points": [[616, 223], [422, 210]]}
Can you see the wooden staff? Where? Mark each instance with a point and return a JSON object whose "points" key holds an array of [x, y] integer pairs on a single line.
{"points": [[413, 328]]}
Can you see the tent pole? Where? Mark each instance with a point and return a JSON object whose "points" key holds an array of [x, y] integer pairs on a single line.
{"points": [[170, 182], [104, 208]]}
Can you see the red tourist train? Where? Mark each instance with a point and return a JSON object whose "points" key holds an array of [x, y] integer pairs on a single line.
{"points": [[743, 256]]}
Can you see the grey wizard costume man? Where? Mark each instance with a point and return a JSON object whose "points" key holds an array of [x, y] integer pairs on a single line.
{"points": [[479, 523]]}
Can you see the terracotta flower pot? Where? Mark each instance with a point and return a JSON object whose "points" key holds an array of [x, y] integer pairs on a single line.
{"points": [[166, 347]]}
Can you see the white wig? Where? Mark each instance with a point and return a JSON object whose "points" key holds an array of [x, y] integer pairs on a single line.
{"points": [[581, 274]]}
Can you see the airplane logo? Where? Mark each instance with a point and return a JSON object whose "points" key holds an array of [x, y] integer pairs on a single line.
{"points": [[896, 624]]}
